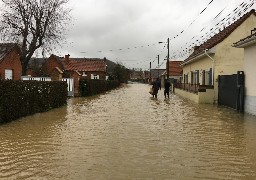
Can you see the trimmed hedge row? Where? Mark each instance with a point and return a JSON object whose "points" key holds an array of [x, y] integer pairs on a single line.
{"points": [[96, 86], [22, 98]]}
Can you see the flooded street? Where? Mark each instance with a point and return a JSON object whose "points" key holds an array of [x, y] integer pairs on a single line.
{"points": [[126, 134]]}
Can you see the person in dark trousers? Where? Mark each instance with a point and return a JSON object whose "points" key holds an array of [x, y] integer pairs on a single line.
{"points": [[156, 86], [167, 85]]}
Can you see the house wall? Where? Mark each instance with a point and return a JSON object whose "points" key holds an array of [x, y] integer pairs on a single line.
{"points": [[206, 97], [228, 59], [250, 79], [204, 63], [12, 62], [102, 75], [50, 65], [202, 97], [188, 95]]}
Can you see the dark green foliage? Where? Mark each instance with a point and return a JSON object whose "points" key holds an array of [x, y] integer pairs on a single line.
{"points": [[22, 98], [121, 73], [95, 86]]}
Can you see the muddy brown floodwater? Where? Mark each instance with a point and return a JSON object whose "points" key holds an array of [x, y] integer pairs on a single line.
{"points": [[126, 134]]}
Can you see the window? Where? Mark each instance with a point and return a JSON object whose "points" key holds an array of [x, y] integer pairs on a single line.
{"points": [[195, 77], [84, 74], [8, 74], [95, 76]]}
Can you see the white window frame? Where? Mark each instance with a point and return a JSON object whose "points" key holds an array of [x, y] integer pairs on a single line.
{"points": [[8, 74], [95, 76]]}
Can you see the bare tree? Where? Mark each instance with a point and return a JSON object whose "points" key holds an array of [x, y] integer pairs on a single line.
{"points": [[34, 24]]}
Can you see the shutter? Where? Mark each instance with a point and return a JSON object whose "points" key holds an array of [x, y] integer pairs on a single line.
{"points": [[197, 76], [191, 78], [203, 78], [210, 77]]}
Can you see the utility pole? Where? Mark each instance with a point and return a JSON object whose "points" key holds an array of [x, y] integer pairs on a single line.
{"points": [[158, 64], [150, 71], [167, 66]]}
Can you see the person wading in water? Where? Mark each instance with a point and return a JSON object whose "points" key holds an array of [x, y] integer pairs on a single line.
{"points": [[156, 86], [167, 85]]}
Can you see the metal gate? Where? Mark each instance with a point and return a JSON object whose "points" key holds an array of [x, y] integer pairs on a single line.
{"points": [[231, 91], [70, 82]]}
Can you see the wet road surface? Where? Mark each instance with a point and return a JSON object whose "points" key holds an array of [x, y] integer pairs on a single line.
{"points": [[126, 134]]}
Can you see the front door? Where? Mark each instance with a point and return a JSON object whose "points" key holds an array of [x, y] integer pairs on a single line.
{"points": [[8, 74]]}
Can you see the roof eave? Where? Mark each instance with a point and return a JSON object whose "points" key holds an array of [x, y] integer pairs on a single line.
{"points": [[246, 43], [199, 56]]}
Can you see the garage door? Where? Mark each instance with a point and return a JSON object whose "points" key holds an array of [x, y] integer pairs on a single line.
{"points": [[8, 74]]}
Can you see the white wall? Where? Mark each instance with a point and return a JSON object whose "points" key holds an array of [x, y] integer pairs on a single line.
{"points": [[250, 79]]}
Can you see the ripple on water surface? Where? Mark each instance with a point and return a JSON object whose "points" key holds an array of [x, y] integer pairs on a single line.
{"points": [[126, 134]]}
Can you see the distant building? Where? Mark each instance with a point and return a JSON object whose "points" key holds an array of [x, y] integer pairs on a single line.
{"points": [[10, 65], [156, 73], [77, 68], [139, 76]]}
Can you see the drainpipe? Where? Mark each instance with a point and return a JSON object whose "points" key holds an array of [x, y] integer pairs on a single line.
{"points": [[205, 52]]}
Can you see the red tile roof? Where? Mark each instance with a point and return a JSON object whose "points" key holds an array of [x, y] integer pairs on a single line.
{"points": [[5, 48], [174, 68], [84, 64], [217, 38]]}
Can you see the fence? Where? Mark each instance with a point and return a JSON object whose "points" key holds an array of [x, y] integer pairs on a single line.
{"points": [[69, 81], [188, 87]]}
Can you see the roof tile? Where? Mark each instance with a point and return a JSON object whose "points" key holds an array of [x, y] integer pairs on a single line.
{"points": [[84, 64], [219, 37]]}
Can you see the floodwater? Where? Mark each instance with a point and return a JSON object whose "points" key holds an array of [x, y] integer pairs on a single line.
{"points": [[126, 134]]}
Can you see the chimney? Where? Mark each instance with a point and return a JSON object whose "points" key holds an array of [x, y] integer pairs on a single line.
{"points": [[67, 58]]}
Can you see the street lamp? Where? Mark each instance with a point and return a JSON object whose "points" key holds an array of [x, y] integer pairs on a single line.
{"points": [[167, 66]]}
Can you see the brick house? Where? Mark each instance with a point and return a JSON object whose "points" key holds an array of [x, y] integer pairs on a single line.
{"points": [[10, 65], [175, 70], [77, 68]]}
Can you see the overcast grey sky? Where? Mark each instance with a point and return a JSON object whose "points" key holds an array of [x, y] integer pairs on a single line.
{"points": [[128, 31]]}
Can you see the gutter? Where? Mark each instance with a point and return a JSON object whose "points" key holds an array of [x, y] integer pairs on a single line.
{"points": [[193, 59], [200, 55], [246, 42], [213, 61]]}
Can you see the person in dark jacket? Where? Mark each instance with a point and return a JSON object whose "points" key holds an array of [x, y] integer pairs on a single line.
{"points": [[156, 87], [167, 85]]}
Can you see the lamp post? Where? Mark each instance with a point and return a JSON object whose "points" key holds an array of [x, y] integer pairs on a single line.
{"points": [[167, 66]]}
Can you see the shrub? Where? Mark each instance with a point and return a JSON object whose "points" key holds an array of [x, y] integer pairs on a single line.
{"points": [[22, 98], [96, 86]]}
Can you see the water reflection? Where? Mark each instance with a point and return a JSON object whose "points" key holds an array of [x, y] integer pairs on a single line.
{"points": [[126, 134]]}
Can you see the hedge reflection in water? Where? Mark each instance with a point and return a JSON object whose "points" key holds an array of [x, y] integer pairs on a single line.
{"points": [[126, 134]]}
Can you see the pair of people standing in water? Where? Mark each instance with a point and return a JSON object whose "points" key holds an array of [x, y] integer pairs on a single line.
{"points": [[157, 86]]}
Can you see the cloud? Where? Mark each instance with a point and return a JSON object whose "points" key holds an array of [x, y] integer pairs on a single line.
{"points": [[128, 31]]}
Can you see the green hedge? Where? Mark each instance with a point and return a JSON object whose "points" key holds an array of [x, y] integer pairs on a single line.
{"points": [[95, 86], [22, 98]]}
